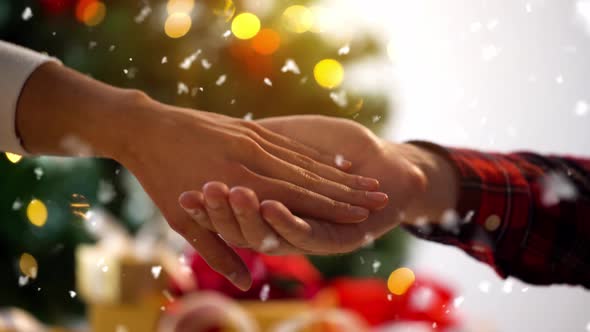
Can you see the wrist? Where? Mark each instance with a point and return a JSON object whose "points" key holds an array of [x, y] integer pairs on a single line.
{"points": [[62, 112], [440, 183]]}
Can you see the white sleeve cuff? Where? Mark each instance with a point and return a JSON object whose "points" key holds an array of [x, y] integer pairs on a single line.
{"points": [[16, 65]]}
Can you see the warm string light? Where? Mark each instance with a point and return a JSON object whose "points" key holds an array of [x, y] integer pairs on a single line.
{"points": [[28, 265], [13, 157], [328, 73], [400, 280], [91, 12], [245, 26], [298, 18], [37, 213], [266, 42], [179, 22]]}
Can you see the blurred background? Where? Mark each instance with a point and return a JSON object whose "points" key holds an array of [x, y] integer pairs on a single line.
{"points": [[492, 75]]}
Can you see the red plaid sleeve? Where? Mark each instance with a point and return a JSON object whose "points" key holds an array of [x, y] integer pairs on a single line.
{"points": [[524, 214]]}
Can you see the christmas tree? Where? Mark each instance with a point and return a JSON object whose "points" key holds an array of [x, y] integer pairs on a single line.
{"points": [[251, 59]]}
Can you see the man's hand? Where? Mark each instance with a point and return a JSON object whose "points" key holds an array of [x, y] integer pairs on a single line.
{"points": [[171, 150], [418, 183]]}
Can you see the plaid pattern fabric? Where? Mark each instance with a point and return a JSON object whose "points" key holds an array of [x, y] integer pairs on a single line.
{"points": [[524, 214]]}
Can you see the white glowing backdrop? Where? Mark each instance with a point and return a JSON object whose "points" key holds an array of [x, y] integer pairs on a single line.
{"points": [[497, 75]]}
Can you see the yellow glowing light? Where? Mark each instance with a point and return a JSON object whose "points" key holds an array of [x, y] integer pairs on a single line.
{"points": [[245, 26], [223, 8], [37, 213], [180, 6], [28, 265], [400, 280], [13, 157], [298, 18], [93, 13], [177, 25], [329, 73]]}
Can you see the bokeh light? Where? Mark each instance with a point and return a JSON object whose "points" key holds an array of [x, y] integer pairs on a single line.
{"points": [[223, 8], [79, 205], [245, 26], [400, 281], [180, 6], [177, 25], [298, 18], [91, 12], [13, 157], [266, 42], [328, 73], [37, 213], [28, 265]]}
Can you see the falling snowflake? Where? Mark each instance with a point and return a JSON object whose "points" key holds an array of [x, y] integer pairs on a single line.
{"points": [[264, 291], [267, 81], [23, 280], [581, 108], [375, 118], [221, 80], [458, 301], [17, 204], [130, 72], [205, 63], [112, 48], [422, 298], [106, 192], [291, 66], [556, 187], [524, 289], [344, 50], [188, 61], [143, 14], [450, 221], [492, 24], [105, 268], [226, 34], [270, 242], [376, 265], [72, 294], [92, 44], [583, 12], [484, 286], [164, 60], [27, 14], [182, 88], [507, 287], [156, 271], [489, 52], [559, 79], [38, 172], [339, 98]]}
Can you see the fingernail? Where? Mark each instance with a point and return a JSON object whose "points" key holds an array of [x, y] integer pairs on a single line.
{"points": [[368, 183], [187, 201], [359, 211], [376, 196], [213, 203]]}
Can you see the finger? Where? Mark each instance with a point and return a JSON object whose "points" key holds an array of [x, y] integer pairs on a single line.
{"points": [[333, 160], [193, 203], [214, 251], [313, 236], [274, 167], [259, 235], [221, 215], [323, 170], [302, 201]]}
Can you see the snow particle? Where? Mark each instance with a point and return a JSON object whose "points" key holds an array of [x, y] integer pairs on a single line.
{"points": [[38, 172], [182, 88], [143, 14], [344, 50], [188, 61], [264, 291], [484, 286], [582, 108], [489, 52], [376, 265], [267, 81], [27, 14], [72, 294], [164, 60], [205, 63], [458, 301], [221, 80], [248, 117], [291, 66]]}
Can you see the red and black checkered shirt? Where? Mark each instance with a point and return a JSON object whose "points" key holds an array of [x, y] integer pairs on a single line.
{"points": [[524, 214]]}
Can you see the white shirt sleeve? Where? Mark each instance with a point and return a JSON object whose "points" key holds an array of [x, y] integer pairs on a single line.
{"points": [[16, 65]]}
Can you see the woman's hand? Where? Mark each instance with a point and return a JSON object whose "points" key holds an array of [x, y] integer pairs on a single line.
{"points": [[171, 150]]}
